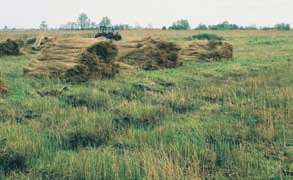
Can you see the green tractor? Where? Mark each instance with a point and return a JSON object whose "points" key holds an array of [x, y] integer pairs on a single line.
{"points": [[108, 32]]}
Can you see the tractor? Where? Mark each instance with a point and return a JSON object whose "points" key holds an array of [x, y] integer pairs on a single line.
{"points": [[108, 32]]}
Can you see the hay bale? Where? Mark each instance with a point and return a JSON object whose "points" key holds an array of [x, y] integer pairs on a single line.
{"points": [[208, 50], [3, 87], [149, 54], [11, 47], [75, 59]]}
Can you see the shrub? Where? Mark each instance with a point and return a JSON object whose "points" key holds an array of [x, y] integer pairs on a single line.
{"points": [[207, 36], [31, 41]]}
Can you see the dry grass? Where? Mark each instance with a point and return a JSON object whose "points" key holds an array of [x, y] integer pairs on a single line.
{"points": [[3, 87]]}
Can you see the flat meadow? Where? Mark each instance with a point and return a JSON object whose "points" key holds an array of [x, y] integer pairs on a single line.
{"points": [[203, 120]]}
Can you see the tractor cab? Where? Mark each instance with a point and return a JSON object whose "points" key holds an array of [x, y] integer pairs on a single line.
{"points": [[108, 32], [106, 29]]}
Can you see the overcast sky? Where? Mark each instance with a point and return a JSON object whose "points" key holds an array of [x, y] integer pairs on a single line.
{"points": [[158, 13]]}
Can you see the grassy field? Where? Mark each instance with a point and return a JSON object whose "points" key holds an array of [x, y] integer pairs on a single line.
{"points": [[220, 120]]}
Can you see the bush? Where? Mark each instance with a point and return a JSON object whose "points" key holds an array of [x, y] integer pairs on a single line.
{"points": [[207, 36], [31, 41]]}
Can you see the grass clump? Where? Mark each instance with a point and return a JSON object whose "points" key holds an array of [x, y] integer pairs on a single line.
{"points": [[82, 138], [3, 87], [93, 99], [10, 160], [207, 37], [139, 116]]}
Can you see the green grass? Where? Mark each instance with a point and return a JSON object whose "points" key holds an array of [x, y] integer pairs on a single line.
{"points": [[221, 120]]}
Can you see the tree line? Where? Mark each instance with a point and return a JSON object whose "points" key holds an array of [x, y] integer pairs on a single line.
{"points": [[183, 24], [83, 22]]}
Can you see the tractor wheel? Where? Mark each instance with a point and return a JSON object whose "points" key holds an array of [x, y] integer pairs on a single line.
{"points": [[109, 36], [118, 37]]}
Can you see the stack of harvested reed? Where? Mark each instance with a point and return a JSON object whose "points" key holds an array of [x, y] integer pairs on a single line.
{"points": [[208, 50], [75, 59], [149, 54]]}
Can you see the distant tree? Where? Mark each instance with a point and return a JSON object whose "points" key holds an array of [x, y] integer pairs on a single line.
{"points": [[71, 26], [182, 24], [201, 27], [83, 21], [43, 25], [5, 28], [251, 27], [74, 25], [164, 28], [267, 28], [105, 21], [121, 26], [282, 27], [234, 27], [93, 25], [224, 26]]}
